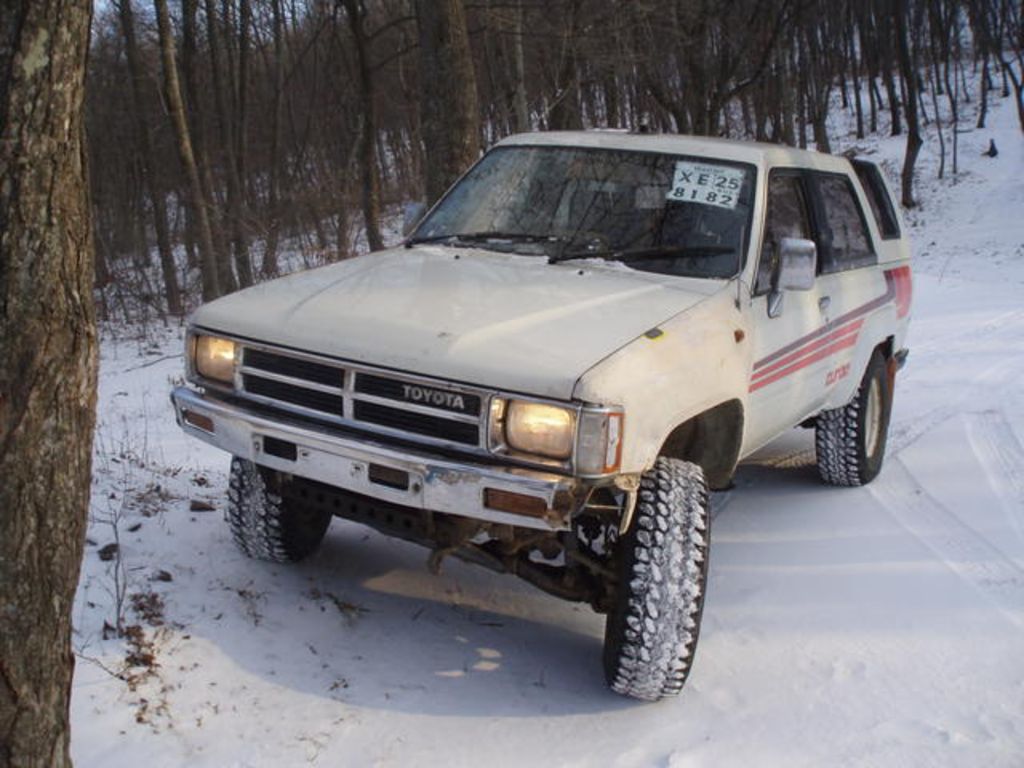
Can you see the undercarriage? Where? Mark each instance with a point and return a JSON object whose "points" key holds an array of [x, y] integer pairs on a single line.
{"points": [[575, 565]]}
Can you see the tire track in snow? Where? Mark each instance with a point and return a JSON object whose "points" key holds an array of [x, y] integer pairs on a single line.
{"points": [[1002, 458], [1004, 371], [909, 430], [1008, 320], [966, 552]]}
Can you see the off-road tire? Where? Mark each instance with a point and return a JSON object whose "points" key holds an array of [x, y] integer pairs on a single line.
{"points": [[651, 632], [263, 524], [850, 441]]}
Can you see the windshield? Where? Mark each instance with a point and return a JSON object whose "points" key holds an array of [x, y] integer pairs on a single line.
{"points": [[672, 214]]}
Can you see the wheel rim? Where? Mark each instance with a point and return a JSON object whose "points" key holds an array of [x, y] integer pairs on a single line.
{"points": [[873, 418]]}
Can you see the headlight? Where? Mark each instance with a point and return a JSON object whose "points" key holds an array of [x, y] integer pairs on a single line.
{"points": [[215, 358], [547, 430]]}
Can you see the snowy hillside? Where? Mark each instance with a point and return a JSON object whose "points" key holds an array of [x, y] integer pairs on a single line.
{"points": [[875, 626]]}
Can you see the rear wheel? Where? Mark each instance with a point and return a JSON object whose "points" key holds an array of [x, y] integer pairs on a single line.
{"points": [[263, 523], [850, 441], [651, 632]]}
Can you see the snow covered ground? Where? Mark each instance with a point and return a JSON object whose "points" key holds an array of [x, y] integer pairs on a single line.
{"points": [[881, 626]]}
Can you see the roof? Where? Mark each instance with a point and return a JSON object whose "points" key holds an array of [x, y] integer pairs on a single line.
{"points": [[758, 153]]}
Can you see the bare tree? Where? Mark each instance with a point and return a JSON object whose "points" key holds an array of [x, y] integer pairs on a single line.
{"points": [[208, 258], [47, 369], [450, 120], [909, 78], [223, 98], [522, 109], [269, 265], [196, 121], [1000, 25], [153, 185], [368, 160]]}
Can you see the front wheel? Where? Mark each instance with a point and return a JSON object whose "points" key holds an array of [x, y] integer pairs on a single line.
{"points": [[651, 632], [850, 441], [264, 523]]}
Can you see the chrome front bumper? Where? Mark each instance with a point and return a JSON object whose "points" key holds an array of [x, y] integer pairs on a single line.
{"points": [[357, 465]]}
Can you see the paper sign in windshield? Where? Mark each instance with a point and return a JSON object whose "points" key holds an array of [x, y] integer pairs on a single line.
{"points": [[706, 184]]}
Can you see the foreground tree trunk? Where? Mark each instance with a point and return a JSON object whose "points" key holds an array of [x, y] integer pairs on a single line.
{"points": [[47, 369], [448, 104]]}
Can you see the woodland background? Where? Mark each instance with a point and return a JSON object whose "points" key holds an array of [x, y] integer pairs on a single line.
{"points": [[238, 130]]}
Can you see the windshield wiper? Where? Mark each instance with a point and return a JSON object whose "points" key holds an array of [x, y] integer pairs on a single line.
{"points": [[642, 253], [474, 237]]}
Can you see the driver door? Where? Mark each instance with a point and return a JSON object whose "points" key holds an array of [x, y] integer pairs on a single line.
{"points": [[788, 373]]}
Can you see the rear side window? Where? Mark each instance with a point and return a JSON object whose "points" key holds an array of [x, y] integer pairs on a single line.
{"points": [[843, 240], [878, 198]]}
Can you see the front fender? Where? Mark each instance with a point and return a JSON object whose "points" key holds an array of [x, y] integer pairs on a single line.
{"points": [[687, 365]]}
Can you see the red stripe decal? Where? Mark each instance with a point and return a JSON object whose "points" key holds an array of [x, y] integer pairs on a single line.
{"points": [[853, 328], [840, 334], [885, 298], [845, 343]]}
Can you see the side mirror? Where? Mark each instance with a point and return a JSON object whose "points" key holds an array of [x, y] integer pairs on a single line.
{"points": [[411, 215], [798, 263]]}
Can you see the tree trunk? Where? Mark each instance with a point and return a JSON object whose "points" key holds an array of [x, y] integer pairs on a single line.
{"points": [[565, 114], [908, 72], [47, 369], [855, 72], [153, 186], [943, 22], [448, 104], [1009, 75], [883, 13], [876, 105], [269, 266], [786, 106], [369, 172], [983, 108], [222, 99], [197, 134], [521, 109], [932, 78], [801, 97], [207, 255], [242, 261]]}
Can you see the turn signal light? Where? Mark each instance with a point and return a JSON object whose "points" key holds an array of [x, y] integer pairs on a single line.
{"points": [[198, 420], [515, 503]]}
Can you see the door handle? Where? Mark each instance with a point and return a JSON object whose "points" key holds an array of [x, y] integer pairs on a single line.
{"points": [[824, 303]]}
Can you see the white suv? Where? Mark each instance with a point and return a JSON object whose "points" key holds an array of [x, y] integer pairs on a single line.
{"points": [[585, 334]]}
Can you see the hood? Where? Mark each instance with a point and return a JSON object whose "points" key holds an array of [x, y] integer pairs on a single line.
{"points": [[491, 319]]}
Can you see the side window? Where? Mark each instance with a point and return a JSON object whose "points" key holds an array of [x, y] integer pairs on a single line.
{"points": [[786, 217], [843, 240], [878, 198]]}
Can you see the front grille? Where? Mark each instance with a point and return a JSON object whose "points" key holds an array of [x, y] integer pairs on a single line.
{"points": [[403, 391], [418, 423], [395, 407], [293, 395], [294, 366]]}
